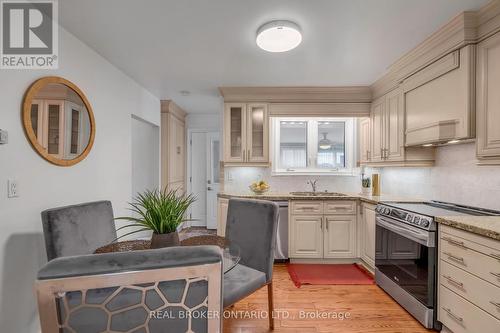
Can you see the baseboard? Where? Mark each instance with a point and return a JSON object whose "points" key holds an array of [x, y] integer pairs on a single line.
{"points": [[326, 261], [366, 266]]}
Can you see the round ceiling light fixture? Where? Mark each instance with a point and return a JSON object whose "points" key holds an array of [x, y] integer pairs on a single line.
{"points": [[279, 36]]}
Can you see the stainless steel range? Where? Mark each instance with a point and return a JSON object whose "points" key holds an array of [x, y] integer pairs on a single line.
{"points": [[406, 255]]}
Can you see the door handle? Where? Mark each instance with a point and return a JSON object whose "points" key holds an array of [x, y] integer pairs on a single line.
{"points": [[209, 189]]}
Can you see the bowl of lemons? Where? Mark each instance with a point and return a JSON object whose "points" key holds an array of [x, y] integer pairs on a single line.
{"points": [[259, 187]]}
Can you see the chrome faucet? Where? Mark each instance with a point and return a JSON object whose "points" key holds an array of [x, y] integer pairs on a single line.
{"points": [[313, 184]]}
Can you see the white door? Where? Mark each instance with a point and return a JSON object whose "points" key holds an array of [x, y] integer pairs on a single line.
{"points": [[213, 178], [198, 178]]}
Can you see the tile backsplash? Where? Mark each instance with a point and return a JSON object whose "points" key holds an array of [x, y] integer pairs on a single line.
{"points": [[237, 179], [455, 178]]}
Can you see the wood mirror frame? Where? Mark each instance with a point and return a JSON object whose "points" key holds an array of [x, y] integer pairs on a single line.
{"points": [[30, 94]]}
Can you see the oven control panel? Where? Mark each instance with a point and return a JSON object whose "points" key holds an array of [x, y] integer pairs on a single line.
{"points": [[421, 221]]}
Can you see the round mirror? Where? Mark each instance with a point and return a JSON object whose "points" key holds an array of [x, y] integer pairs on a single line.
{"points": [[58, 121]]}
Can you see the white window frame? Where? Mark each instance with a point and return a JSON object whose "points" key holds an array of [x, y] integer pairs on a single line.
{"points": [[312, 147]]}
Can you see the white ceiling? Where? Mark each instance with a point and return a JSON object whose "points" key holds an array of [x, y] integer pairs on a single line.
{"points": [[199, 45]]}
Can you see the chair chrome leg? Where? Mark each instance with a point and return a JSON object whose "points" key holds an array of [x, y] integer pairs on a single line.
{"points": [[271, 306]]}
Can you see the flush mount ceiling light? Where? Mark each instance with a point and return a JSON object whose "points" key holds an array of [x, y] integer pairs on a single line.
{"points": [[324, 143], [279, 36]]}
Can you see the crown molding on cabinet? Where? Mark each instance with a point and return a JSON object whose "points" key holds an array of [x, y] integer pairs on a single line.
{"points": [[465, 28], [168, 106], [320, 109], [355, 94]]}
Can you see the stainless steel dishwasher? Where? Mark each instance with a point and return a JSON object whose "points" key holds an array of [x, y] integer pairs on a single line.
{"points": [[281, 252]]}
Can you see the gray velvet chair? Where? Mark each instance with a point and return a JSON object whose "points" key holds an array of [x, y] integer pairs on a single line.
{"points": [[251, 225], [165, 290], [78, 229]]}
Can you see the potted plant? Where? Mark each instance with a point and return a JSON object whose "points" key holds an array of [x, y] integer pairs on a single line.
{"points": [[365, 184], [161, 211]]}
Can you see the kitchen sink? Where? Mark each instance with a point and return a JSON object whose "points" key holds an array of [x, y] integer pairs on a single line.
{"points": [[313, 194]]}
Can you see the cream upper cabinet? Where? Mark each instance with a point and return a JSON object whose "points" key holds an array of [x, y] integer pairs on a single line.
{"points": [[257, 133], [364, 141], [439, 100], [394, 122], [488, 100], [377, 129], [387, 130], [246, 133], [387, 138], [235, 132], [339, 236]]}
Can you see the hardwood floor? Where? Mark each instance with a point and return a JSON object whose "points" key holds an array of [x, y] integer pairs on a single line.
{"points": [[370, 309]]}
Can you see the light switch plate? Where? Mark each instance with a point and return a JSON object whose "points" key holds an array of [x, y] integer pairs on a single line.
{"points": [[12, 188], [4, 137]]}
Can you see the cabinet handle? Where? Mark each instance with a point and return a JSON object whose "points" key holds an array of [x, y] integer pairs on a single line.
{"points": [[381, 153], [455, 242], [244, 155], [455, 258], [495, 304], [452, 315], [497, 275], [453, 281], [248, 155], [326, 223], [321, 223]]}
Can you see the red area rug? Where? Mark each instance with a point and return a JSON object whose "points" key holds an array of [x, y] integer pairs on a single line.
{"points": [[328, 274]]}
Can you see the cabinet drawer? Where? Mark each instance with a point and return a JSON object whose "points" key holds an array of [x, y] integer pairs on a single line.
{"points": [[340, 207], [456, 252], [307, 207], [475, 290], [479, 243], [461, 316]]}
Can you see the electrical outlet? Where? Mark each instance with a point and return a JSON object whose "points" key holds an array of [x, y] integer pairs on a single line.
{"points": [[4, 137], [12, 189]]}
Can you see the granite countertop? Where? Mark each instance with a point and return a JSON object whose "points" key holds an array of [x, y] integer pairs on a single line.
{"points": [[488, 226], [275, 196]]}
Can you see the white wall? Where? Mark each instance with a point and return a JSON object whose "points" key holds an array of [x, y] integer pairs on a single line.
{"points": [[104, 175], [209, 121], [455, 178]]}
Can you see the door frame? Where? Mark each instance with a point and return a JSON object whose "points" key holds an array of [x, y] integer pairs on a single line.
{"points": [[189, 151]]}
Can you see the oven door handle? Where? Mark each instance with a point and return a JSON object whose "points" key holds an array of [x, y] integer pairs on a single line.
{"points": [[424, 237]]}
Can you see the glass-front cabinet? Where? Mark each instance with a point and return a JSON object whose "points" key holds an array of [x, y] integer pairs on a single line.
{"points": [[246, 133]]}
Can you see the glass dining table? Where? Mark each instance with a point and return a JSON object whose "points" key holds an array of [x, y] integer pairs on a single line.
{"points": [[230, 251]]}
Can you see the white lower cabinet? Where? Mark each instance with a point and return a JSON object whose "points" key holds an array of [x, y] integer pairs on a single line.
{"points": [[317, 232], [306, 237], [469, 282], [367, 231], [339, 236], [222, 207]]}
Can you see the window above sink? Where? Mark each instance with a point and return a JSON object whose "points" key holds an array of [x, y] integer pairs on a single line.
{"points": [[311, 145]]}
